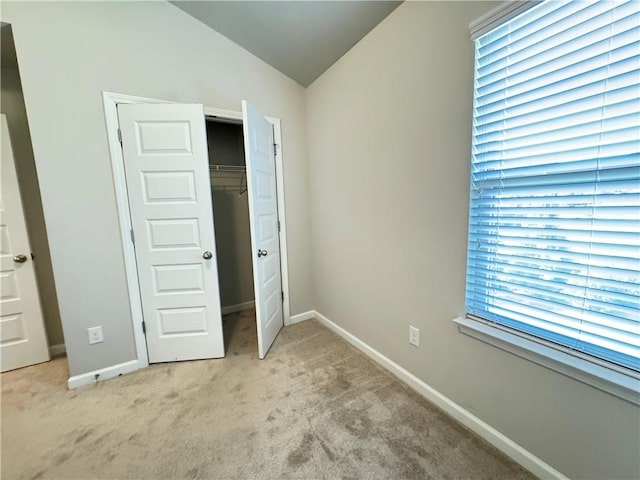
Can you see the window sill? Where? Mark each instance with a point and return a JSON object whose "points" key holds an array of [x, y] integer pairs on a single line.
{"points": [[620, 384]]}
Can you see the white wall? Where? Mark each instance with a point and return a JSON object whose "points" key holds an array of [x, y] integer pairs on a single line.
{"points": [[68, 54], [389, 128], [233, 246], [226, 143]]}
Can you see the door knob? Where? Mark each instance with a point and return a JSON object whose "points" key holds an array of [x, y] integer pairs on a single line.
{"points": [[262, 253], [207, 255], [20, 258]]}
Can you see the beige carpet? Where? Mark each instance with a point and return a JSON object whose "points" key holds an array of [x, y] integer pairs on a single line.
{"points": [[315, 408]]}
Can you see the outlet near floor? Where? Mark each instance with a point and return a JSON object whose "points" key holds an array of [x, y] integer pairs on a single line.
{"points": [[414, 336], [95, 335]]}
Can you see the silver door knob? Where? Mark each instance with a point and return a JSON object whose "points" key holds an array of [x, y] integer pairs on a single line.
{"points": [[262, 253], [207, 255], [20, 258]]}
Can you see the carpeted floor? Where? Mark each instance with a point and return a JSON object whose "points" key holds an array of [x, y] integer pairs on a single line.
{"points": [[314, 408]]}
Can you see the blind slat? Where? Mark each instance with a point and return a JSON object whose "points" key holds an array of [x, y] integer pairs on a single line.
{"points": [[626, 279], [578, 42], [621, 317], [554, 279], [588, 96]]}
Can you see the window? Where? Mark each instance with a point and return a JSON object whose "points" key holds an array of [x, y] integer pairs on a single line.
{"points": [[554, 223]]}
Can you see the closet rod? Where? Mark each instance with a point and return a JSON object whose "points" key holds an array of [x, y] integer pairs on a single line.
{"points": [[229, 188], [227, 168]]}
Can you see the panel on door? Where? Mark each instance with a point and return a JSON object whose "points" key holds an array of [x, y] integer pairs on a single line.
{"points": [[263, 215], [167, 172], [23, 340]]}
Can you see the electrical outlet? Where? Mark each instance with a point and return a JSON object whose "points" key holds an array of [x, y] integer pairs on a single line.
{"points": [[414, 336], [95, 335]]}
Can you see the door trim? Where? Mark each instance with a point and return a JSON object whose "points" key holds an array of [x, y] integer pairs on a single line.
{"points": [[110, 102]]}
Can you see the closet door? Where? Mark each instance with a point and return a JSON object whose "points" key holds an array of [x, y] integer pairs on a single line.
{"points": [[167, 170], [263, 215], [23, 340]]}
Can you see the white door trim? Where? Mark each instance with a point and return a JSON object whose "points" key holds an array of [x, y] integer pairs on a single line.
{"points": [[110, 101]]}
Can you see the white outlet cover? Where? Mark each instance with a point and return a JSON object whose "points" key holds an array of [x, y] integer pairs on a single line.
{"points": [[95, 335], [414, 336]]}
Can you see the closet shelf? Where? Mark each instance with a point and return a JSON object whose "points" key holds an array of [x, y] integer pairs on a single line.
{"points": [[227, 168]]}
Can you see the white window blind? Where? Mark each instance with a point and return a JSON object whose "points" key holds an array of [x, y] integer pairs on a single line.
{"points": [[554, 229]]}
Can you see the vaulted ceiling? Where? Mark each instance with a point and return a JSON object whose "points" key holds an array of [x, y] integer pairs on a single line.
{"points": [[300, 38]]}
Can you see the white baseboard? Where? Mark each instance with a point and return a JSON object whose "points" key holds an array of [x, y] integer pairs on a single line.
{"points": [[301, 317], [88, 378], [57, 350], [238, 307], [466, 418]]}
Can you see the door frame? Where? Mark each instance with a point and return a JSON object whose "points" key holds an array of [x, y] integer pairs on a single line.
{"points": [[110, 101]]}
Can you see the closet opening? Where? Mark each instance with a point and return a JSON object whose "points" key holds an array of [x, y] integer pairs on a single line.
{"points": [[228, 175]]}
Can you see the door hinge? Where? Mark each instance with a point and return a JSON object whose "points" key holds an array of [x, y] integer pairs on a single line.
{"points": [[275, 150], [144, 327], [120, 136], [278, 225], [282, 296], [133, 237]]}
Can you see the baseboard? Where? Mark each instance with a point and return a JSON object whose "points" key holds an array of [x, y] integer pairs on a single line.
{"points": [[466, 418], [301, 317], [238, 307], [57, 350], [88, 378]]}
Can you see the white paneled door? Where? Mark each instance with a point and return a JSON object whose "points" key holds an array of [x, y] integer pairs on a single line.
{"points": [[167, 171], [263, 214], [23, 340]]}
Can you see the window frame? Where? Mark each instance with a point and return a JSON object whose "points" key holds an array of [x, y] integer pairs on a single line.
{"points": [[619, 381]]}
